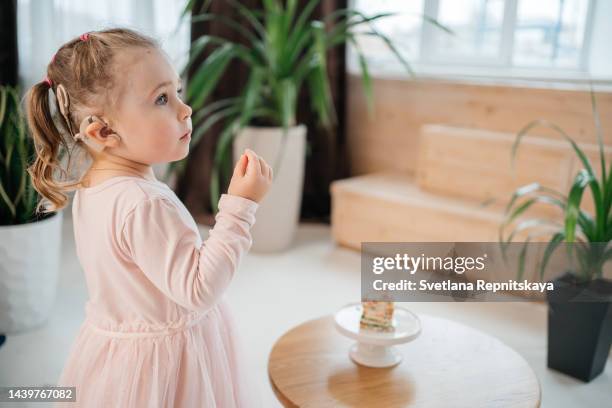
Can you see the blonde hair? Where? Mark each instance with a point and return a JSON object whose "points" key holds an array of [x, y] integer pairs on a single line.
{"points": [[84, 67]]}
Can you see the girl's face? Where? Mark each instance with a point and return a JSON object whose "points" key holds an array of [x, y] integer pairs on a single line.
{"points": [[150, 116]]}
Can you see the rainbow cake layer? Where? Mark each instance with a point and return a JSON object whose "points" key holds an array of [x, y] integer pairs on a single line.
{"points": [[377, 316]]}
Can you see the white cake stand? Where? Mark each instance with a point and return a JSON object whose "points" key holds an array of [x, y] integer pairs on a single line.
{"points": [[375, 349]]}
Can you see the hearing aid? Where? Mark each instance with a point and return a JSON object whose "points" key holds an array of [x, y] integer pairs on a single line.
{"points": [[82, 135]]}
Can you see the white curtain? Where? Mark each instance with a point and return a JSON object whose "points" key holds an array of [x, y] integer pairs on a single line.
{"points": [[44, 25]]}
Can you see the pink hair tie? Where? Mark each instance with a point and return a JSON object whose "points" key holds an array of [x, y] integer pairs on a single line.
{"points": [[84, 37], [47, 81]]}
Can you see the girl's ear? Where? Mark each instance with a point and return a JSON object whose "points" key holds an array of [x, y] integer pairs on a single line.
{"points": [[102, 134]]}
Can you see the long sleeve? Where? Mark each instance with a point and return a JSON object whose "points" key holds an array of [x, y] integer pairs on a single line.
{"points": [[172, 255]]}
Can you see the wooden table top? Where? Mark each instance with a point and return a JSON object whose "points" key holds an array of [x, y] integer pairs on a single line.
{"points": [[449, 364]]}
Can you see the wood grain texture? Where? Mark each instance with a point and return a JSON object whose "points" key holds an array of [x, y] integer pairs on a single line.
{"points": [[449, 364], [476, 164], [389, 207], [388, 140]]}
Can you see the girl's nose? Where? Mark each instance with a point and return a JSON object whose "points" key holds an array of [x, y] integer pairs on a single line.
{"points": [[186, 113]]}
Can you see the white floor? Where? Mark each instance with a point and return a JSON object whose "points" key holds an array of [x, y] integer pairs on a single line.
{"points": [[313, 279]]}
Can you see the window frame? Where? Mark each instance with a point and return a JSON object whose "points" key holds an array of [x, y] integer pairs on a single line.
{"points": [[496, 67]]}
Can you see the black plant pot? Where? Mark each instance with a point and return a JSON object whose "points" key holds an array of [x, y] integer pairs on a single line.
{"points": [[579, 326]]}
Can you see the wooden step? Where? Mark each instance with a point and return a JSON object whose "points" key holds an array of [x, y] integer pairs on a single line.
{"points": [[388, 139], [475, 164], [389, 207]]}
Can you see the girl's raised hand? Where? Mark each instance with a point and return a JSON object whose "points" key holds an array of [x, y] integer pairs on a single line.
{"points": [[252, 177]]}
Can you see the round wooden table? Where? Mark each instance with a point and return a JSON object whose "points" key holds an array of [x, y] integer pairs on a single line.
{"points": [[449, 364]]}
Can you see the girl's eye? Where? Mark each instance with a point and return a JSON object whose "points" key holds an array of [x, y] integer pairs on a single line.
{"points": [[161, 99]]}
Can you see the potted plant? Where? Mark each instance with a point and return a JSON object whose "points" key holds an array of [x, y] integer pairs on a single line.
{"points": [[285, 52], [29, 243], [580, 306]]}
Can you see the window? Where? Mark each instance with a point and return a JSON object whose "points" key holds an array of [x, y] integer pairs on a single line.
{"points": [[45, 25], [550, 32], [503, 36], [477, 27]]}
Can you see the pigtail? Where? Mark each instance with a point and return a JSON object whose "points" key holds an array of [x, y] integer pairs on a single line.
{"points": [[48, 142]]}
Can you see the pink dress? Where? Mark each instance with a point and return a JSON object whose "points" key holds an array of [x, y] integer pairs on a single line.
{"points": [[157, 331]]}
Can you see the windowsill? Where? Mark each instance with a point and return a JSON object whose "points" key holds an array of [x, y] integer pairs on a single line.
{"points": [[531, 78]]}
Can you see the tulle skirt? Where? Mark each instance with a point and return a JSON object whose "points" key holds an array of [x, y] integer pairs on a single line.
{"points": [[196, 362]]}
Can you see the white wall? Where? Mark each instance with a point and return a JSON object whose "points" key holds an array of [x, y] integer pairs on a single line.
{"points": [[600, 58]]}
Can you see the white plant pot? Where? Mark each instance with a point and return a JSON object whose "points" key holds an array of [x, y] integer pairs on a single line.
{"points": [[279, 211], [29, 264]]}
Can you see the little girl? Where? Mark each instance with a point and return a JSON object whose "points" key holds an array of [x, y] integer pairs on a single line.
{"points": [[157, 332]]}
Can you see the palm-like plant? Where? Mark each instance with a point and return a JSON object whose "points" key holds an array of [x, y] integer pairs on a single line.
{"points": [[587, 235], [285, 51], [17, 195]]}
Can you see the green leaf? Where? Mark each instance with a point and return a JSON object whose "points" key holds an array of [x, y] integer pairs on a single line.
{"points": [[250, 16], [528, 224], [532, 188], [341, 33], [435, 23], [211, 120], [582, 179], [8, 202], [290, 11], [318, 81], [300, 33], [365, 76], [211, 107], [598, 130], [208, 74], [189, 7], [598, 199], [389, 44], [587, 225], [394, 50], [521, 259], [301, 21], [296, 50], [524, 206], [545, 123], [550, 249], [255, 54], [3, 96], [287, 101], [342, 28], [252, 93], [522, 254], [606, 176], [198, 46], [235, 26]]}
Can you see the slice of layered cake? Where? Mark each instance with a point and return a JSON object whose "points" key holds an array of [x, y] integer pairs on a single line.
{"points": [[377, 316]]}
